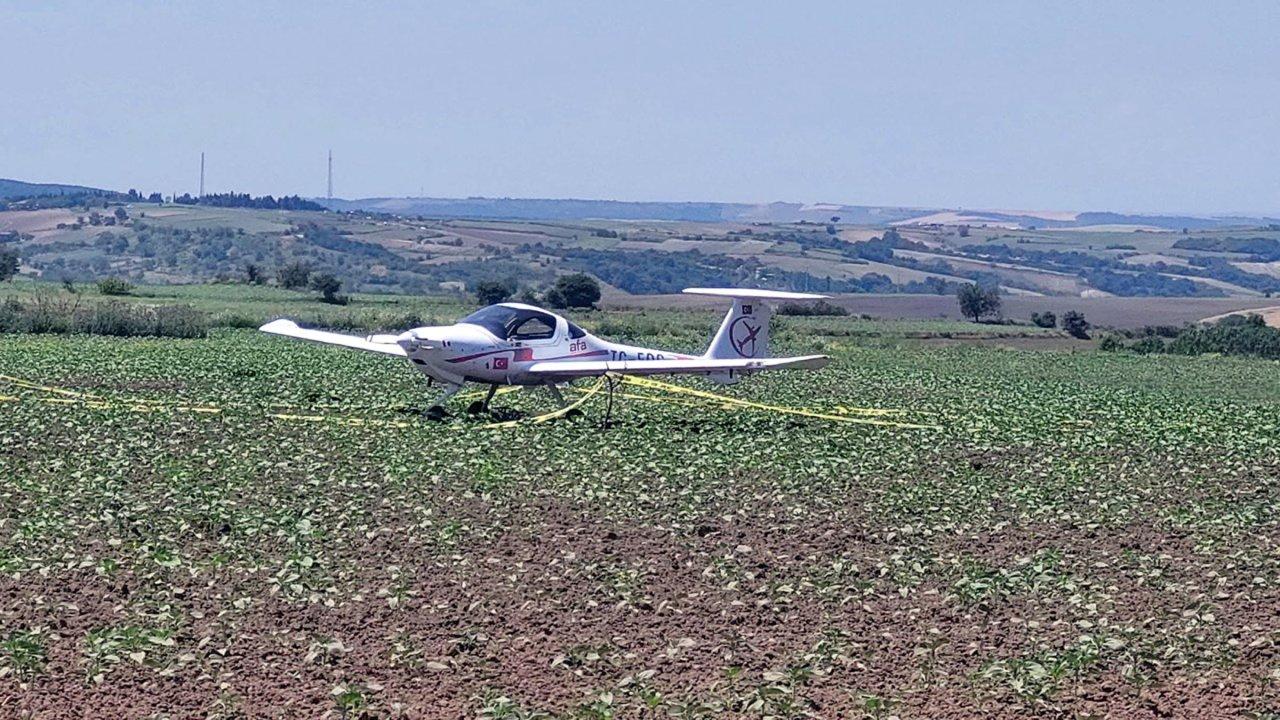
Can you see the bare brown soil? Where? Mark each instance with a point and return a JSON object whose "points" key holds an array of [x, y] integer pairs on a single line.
{"points": [[562, 604]]}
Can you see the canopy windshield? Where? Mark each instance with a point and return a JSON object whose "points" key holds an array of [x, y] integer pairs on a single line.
{"points": [[508, 323]]}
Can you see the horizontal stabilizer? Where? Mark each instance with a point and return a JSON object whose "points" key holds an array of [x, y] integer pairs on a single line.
{"points": [[753, 294], [694, 366], [289, 328]]}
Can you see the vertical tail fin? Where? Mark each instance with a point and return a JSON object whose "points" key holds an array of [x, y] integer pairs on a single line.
{"points": [[744, 332]]}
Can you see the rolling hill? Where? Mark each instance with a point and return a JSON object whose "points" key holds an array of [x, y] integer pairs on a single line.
{"points": [[18, 189], [775, 212], [423, 245], [166, 243]]}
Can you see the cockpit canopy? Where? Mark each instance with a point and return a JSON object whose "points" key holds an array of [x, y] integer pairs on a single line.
{"points": [[519, 322]]}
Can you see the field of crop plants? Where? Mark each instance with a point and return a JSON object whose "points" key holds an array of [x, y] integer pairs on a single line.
{"points": [[244, 526]]}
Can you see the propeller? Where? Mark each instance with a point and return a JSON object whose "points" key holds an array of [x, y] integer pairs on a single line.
{"points": [[411, 340]]}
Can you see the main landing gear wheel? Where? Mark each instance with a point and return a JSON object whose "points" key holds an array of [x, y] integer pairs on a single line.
{"points": [[482, 406]]}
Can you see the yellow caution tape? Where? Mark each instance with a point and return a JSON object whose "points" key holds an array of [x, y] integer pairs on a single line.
{"points": [[680, 389], [555, 413], [503, 390], [703, 398], [44, 388]]}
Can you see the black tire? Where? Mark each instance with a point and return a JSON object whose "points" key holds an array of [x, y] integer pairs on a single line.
{"points": [[435, 412], [475, 408]]}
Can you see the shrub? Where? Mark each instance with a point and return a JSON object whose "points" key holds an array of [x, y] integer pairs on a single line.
{"points": [[1164, 331], [820, 308], [235, 320], [554, 298], [328, 286], [8, 265], [492, 292], [43, 314], [114, 286], [293, 276], [1111, 343], [367, 321], [1233, 335], [1148, 345], [1045, 319], [1074, 323]]}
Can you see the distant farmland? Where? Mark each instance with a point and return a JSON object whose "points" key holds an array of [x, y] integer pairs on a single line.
{"points": [[391, 252], [1117, 312]]}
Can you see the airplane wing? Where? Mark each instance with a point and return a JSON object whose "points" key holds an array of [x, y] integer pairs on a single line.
{"points": [[753, 294], [289, 328], [694, 366]]}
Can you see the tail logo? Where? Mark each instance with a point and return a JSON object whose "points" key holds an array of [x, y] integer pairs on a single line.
{"points": [[742, 335]]}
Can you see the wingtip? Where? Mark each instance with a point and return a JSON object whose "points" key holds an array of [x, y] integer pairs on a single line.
{"points": [[278, 325]]}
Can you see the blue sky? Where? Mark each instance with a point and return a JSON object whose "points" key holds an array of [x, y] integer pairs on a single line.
{"points": [[1157, 107]]}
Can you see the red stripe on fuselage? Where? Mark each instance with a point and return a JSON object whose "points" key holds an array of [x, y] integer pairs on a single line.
{"points": [[526, 355]]}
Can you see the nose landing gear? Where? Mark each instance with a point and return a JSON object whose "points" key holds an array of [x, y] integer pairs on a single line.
{"points": [[437, 411]]}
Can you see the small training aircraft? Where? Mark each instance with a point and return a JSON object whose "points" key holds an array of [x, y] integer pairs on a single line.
{"points": [[518, 344]]}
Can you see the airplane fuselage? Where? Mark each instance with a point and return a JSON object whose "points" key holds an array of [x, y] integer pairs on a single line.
{"points": [[466, 352]]}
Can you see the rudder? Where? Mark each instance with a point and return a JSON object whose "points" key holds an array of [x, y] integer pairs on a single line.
{"points": [[744, 332]]}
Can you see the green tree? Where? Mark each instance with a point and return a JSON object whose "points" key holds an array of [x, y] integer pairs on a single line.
{"points": [[492, 292], [121, 214], [578, 290], [8, 265], [1074, 323], [977, 301], [294, 275], [252, 274], [328, 286]]}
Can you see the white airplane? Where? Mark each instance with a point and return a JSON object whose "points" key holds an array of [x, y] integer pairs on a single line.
{"points": [[517, 344]]}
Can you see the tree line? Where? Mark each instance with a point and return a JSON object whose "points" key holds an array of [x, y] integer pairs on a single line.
{"points": [[245, 200]]}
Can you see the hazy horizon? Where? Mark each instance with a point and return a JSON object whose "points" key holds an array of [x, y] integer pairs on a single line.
{"points": [[1148, 108]]}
